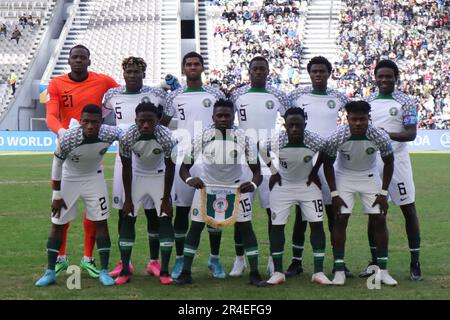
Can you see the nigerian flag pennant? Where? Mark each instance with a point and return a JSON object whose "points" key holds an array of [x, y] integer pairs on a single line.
{"points": [[220, 205]]}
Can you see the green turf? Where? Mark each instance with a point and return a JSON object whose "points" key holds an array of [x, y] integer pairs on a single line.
{"points": [[24, 223]]}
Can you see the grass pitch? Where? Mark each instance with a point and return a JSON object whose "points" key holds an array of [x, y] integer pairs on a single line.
{"points": [[25, 195]]}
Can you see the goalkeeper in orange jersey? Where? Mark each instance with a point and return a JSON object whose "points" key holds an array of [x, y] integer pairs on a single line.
{"points": [[69, 93]]}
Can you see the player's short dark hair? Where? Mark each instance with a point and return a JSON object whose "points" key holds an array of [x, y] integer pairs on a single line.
{"points": [[146, 107], [193, 54], [387, 64], [258, 58], [360, 106], [134, 61], [319, 60], [224, 103], [93, 109], [294, 111], [79, 46]]}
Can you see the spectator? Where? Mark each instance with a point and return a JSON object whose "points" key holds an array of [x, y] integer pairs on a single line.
{"points": [[3, 29], [16, 35], [12, 81]]}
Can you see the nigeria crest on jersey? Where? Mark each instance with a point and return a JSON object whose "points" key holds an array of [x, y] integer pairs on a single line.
{"points": [[393, 111], [157, 151], [220, 205], [307, 159], [370, 150], [331, 104], [145, 99], [270, 104], [207, 103]]}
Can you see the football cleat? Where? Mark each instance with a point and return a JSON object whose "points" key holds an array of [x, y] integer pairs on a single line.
{"points": [[368, 271], [216, 267], [184, 278], [154, 268], [276, 278], [348, 273], [48, 278], [415, 273], [339, 278], [61, 266], [294, 269], [165, 279], [386, 278], [177, 268], [118, 269], [105, 278], [122, 279], [256, 280], [239, 266], [320, 278], [90, 267]]}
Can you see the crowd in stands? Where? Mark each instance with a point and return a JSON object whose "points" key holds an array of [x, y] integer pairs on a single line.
{"points": [[415, 34], [272, 28]]}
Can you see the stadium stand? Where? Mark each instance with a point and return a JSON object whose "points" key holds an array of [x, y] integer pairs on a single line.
{"points": [[30, 18], [415, 34], [114, 29], [239, 30]]}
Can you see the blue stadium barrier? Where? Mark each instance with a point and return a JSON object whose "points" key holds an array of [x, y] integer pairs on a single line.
{"points": [[46, 141], [31, 141]]}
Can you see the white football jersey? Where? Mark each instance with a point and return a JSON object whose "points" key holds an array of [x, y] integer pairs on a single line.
{"points": [[193, 109], [321, 110], [259, 109], [358, 155], [295, 160], [82, 157], [147, 152], [122, 105], [222, 159], [392, 113]]}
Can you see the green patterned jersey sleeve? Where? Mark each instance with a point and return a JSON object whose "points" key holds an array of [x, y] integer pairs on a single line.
{"points": [[381, 139]]}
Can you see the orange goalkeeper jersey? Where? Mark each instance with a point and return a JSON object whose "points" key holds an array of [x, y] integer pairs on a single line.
{"points": [[68, 97]]}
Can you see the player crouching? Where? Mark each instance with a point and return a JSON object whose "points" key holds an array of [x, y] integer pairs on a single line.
{"points": [[76, 174], [355, 145], [146, 152]]}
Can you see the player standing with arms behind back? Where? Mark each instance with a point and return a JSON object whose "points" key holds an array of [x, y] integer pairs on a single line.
{"points": [[321, 106], [258, 106], [119, 109], [396, 113], [192, 105]]}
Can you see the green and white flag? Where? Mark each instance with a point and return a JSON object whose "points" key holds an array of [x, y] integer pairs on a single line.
{"points": [[220, 205]]}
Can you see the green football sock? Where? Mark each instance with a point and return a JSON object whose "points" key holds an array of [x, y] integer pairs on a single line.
{"points": [[152, 230], [53, 246], [338, 255], [318, 244], [382, 258], [372, 244], [180, 227], [127, 236], [277, 241], [414, 247], [166, 242], [191, 244], [238, 246], [215, 237], [250, 243], [298, 237], [104, 248]]}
